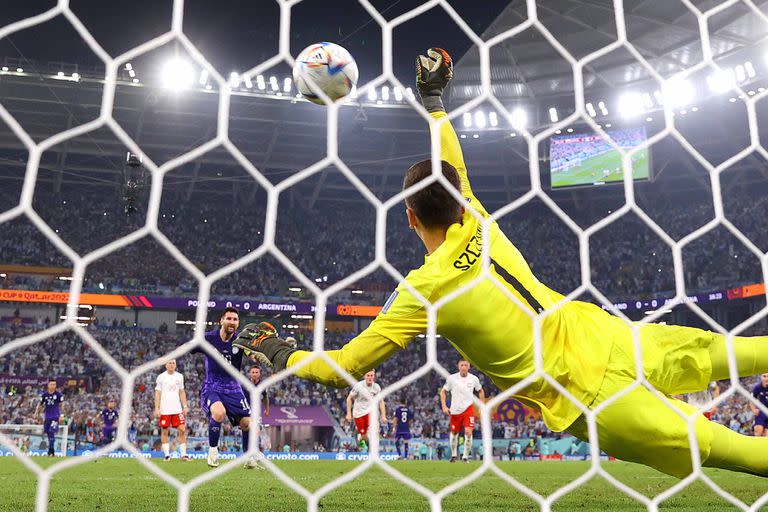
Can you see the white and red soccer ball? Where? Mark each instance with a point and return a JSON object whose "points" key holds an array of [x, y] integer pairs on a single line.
{"points": [[330, 67]]}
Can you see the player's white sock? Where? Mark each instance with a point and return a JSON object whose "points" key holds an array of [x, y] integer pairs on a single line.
{"points": [[183, 449], [166, 449], [454, 440], [467, 446]]}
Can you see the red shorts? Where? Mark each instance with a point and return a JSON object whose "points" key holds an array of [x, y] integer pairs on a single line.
{"points": [[463, 420], [362, 424], [172, 420]]}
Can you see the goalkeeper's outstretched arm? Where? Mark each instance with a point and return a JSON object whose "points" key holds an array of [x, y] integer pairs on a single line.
{"points": [[395, 327], [433, 72], [358, 356], [450, 149], [366, 351]]}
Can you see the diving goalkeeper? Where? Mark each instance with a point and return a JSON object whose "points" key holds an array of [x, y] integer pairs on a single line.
{"points": [[585, 349]]}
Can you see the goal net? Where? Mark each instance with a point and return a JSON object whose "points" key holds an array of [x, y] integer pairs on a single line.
{"points": [[27, 439], [30, 440]]}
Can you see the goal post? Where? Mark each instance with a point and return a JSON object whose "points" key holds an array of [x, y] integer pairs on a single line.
{"points": [[31, 439]]}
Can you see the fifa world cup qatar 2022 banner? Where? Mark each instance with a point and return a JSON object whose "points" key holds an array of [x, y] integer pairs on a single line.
{"points": [[25, 380], [178, 303], [150, 302], [36, 381], [340, 309]]}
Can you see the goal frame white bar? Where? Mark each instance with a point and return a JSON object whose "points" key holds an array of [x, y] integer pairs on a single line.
{"points": [[63, 432]]}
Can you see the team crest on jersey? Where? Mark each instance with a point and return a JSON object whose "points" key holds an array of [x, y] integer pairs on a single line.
{"points": [[235, 350]]}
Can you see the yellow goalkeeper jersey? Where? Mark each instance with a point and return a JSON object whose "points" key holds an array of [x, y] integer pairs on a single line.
{"points": [[488, 328]]}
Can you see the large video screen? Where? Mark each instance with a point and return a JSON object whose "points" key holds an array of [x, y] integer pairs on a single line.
{"points": [[587, 159]]}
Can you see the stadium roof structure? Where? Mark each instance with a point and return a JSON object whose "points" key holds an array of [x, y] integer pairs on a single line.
{"points": [[379, 139], [667, 35]]}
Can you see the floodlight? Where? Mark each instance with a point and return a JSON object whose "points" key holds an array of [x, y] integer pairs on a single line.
{"points": [[480, 119], [678, 92], [519, 119], [630, 104], [721, 80], [177, 74]]}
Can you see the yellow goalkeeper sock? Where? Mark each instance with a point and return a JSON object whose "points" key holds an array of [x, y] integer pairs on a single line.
{"points": [[737, 452], [751, 356]]}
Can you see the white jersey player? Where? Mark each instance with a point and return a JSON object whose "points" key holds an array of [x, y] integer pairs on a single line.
{"points": [[360, 403], [171, 408], [254, 376], [462, 387], [702, 399]]}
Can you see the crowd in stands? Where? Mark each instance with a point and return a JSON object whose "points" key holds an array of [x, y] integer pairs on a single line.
{"points": [[735, 412], [628, 260], [66, 356]]}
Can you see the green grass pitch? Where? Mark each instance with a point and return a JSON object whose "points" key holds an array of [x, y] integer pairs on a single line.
{"points": [[124, 485], [591, 170]]}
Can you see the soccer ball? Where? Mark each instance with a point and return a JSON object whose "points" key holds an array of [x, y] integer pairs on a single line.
{"points": [[329, 66]]}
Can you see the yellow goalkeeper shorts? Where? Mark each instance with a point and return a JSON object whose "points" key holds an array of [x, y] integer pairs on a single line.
{"points": [[639, 426]]}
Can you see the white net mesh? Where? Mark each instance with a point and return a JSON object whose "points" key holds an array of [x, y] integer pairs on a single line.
{"points": [[222, 140]]}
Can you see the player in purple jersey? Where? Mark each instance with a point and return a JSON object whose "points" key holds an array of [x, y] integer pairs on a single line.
{"points": [[50, 401], [403, 421], [222, 395], [760, 392], [109, 417]]}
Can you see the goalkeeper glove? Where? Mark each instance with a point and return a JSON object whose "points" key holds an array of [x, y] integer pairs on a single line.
{"points": [[261, 343], [433, 72]]}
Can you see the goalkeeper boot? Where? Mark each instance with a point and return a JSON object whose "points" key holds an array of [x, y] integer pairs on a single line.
{"points": [[213, 457]]}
